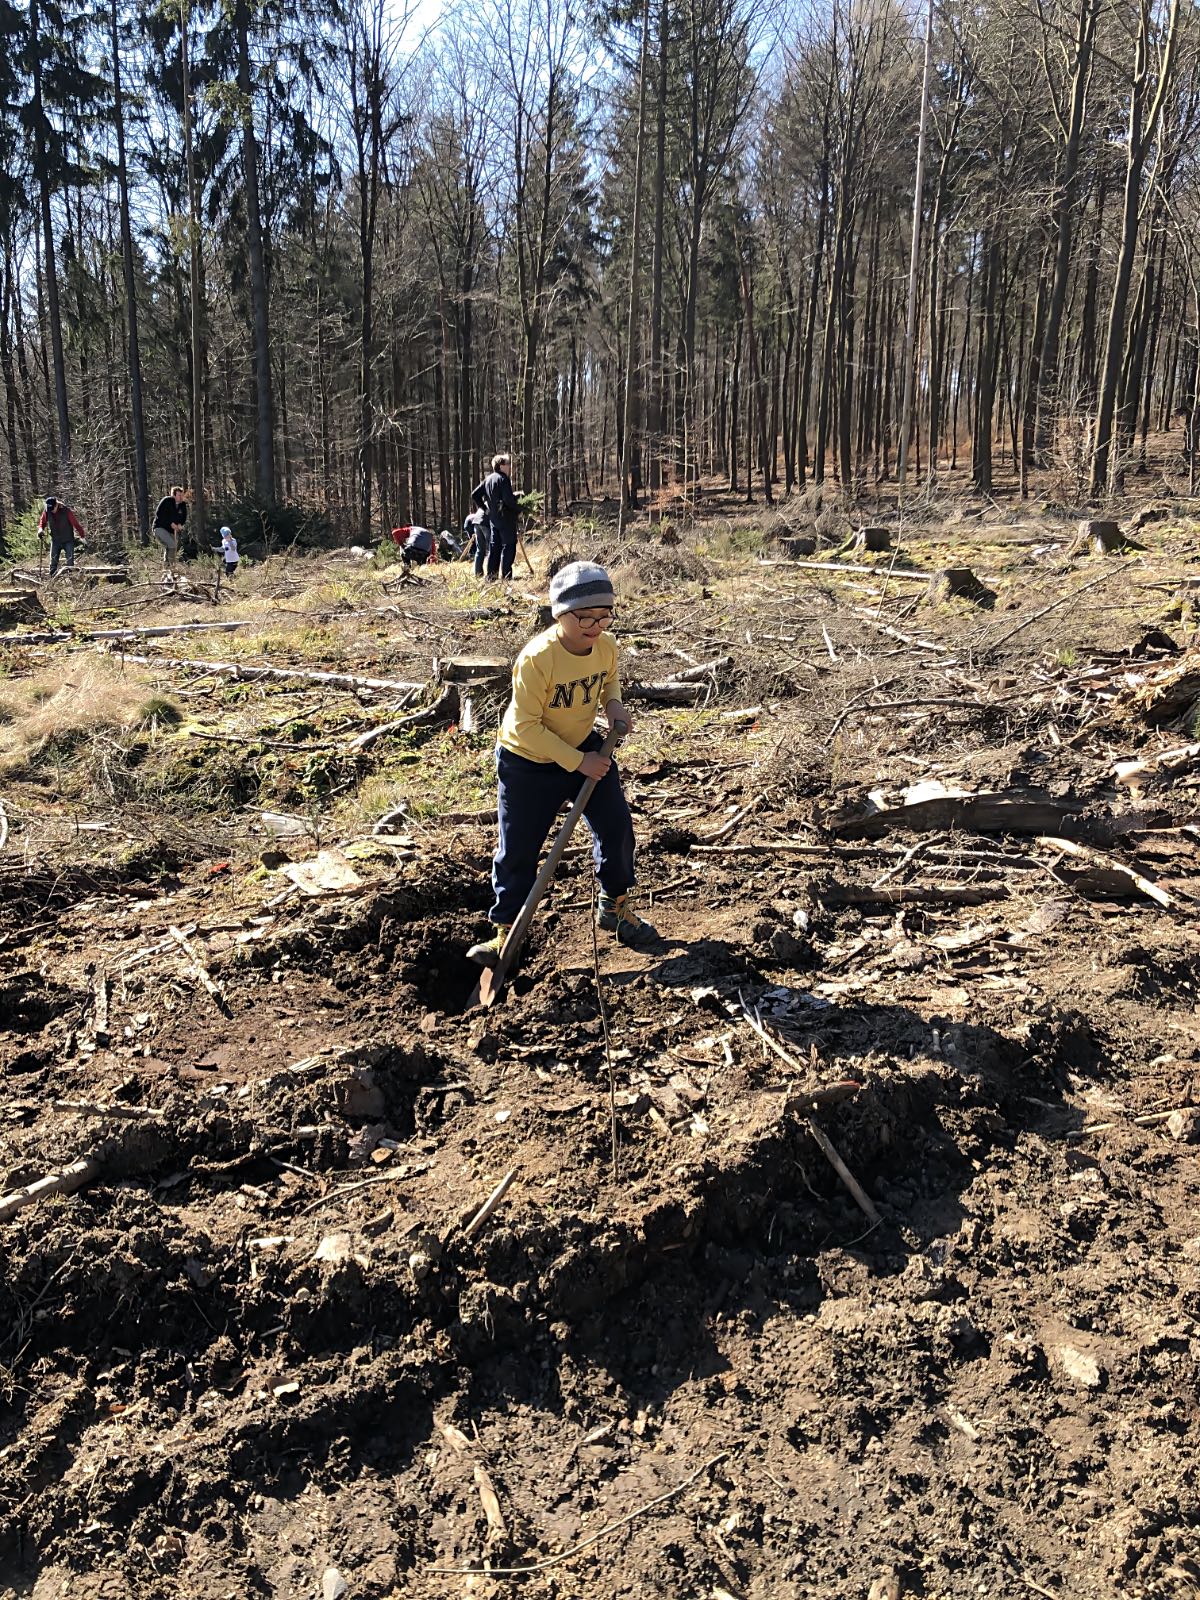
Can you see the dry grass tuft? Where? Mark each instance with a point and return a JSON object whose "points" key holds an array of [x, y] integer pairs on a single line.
{"points": [[56, 714]]}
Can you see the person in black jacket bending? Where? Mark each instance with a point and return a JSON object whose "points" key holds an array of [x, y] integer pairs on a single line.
{"points": [[495, 497]]}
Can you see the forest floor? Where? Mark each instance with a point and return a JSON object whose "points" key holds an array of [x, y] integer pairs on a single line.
{"points": [[907, 900]]}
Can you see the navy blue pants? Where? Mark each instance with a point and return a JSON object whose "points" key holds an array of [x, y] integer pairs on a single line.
{"points": [[502, 552], [531, 793]]}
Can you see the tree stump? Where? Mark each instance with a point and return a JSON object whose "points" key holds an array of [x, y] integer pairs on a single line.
{"points": [[960, 583], [801, 545], [873, 539], [1101, 538], [19, 605], [479, 671]]}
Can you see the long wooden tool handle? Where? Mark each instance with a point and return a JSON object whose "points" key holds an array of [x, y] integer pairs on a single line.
{"points": [[492, 980]]}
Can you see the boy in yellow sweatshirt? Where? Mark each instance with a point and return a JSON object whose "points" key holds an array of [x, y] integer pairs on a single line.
{"points": [[548, 743]]}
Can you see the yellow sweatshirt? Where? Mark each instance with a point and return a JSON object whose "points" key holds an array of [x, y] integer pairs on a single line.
{"points": [[555, 698]]}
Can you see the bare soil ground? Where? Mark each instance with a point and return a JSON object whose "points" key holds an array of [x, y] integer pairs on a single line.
{"points": [[263, 1353]]}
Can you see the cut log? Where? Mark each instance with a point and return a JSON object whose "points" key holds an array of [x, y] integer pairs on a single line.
{"points": [[472, 669], [118, 635], [930, 807], [865, 894], [668, 694], [93, 574], [873, 539], [960, 583], [19, 605]]}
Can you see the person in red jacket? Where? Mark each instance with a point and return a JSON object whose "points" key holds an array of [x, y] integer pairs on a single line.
{"points": [[65, 527], [417, 545]]}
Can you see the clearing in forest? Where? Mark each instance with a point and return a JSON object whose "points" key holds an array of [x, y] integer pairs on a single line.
{"points": [[923, 855]]}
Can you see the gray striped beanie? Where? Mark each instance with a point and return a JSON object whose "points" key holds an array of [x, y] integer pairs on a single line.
{"points": [[581, 585]]}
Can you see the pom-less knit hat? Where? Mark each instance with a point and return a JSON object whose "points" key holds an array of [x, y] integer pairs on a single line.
{"points": [[579, 586]]}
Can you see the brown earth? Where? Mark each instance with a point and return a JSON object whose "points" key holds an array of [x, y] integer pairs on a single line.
{"points": [[261, 1354]]}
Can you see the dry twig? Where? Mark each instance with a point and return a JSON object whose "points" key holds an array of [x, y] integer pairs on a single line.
{"points": [[594, 1538]]}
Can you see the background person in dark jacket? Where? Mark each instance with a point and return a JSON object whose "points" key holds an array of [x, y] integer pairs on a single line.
{"points": [[64, 528], [495, 496], [169, 518]]}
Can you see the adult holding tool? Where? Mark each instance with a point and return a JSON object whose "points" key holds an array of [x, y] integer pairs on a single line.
{"points": [[548, 742], [64, 527]]}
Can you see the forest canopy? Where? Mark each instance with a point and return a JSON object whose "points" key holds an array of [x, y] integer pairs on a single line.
{"points": [[319, 262]]}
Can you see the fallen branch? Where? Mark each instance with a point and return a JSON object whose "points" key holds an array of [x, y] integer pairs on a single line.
{"points": [[253, 674], [489, 1497], [3, 827], [63, 636], [65, 1182], [846, 566], [594, 1538], [200, 971], [740, 815], [894, 633], [443, 709], [353, 1188], [1063, 599], [702, 672], [1097, 858], [1166, 762], [828, 1150], [213, 735], [489, 1205], [93, 1108]]}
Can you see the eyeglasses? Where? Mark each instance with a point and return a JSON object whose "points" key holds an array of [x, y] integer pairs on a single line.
{"points": [[593, 619]]}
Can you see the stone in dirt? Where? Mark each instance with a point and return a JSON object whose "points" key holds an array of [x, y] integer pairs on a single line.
{"points": [[333, 1585], [1184, 1125], [1082, 1370], [887, 1587]]}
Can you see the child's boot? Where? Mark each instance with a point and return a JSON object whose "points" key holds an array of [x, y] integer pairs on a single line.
{"points": [[617, 915], [487, 951]]}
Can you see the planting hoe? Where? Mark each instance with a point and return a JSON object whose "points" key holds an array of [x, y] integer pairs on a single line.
{"points": [[492, 979]]}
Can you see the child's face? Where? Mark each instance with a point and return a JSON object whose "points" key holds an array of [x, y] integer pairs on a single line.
{"points": [[579, 630]]}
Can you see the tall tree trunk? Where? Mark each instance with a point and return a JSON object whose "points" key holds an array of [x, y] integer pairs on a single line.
{"points": [[1047, 398], [657, 375], [1143, 124], [628, 491], [140, 474], [264, 431], [41, 163], [195, 284], [914, 261]]}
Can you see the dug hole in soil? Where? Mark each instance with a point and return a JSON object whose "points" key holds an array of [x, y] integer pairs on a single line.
{"points": [[265, 1352]]}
